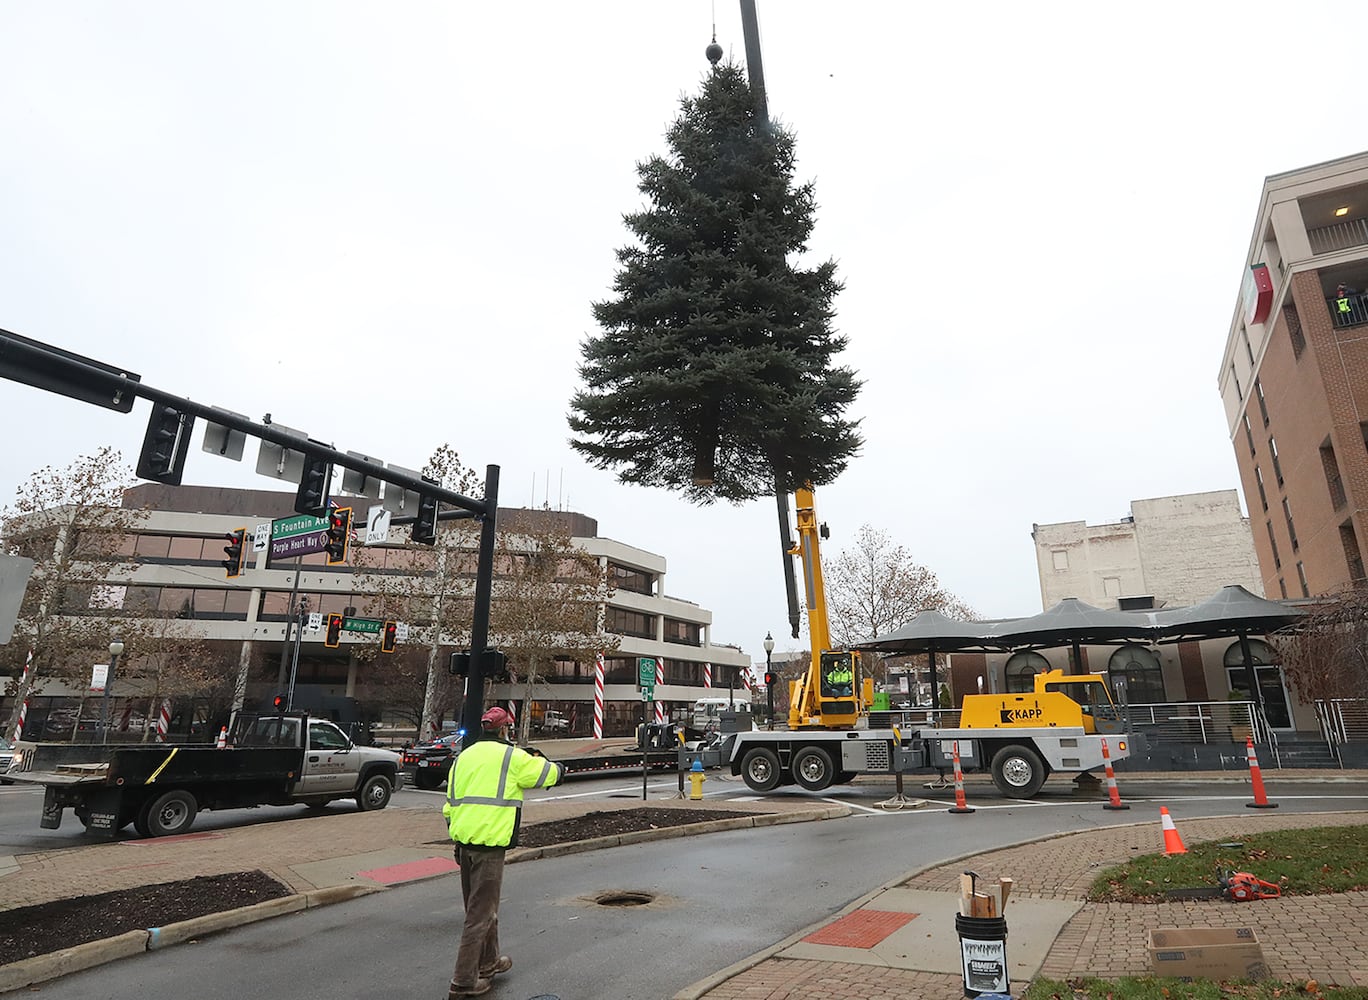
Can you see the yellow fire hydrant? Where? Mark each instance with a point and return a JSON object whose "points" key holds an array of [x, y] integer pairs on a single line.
{"points": [[696, 779]]}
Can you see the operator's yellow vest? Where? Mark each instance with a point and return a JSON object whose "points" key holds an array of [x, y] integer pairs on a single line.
{"points": [[485, 792]]}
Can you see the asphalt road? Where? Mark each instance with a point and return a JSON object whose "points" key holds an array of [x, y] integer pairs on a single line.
{"points": [[718, 899]]}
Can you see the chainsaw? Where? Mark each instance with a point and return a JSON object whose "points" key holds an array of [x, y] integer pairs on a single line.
{"points": [[1238, 887]]}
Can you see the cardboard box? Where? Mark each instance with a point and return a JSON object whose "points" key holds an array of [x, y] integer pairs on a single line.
{"points": [[1207, 953]]}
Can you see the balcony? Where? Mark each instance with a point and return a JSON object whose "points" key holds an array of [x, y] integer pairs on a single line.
{"points": [[1351, 310], [1338, 236]]}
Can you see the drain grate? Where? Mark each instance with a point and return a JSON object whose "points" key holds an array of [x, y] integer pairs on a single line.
{"points": [[617, 898]]}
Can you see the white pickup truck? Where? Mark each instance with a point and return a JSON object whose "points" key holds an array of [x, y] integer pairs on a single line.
{"points": [[270, 760]]}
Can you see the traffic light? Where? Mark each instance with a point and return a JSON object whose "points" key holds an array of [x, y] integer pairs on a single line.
{"points": [[312, 496], [164, 445], [460, 663], [333, 637], [389, 635], [339, 535], [234, 552], [494, 665], [278, 702], [771, 679], [425, 528]]}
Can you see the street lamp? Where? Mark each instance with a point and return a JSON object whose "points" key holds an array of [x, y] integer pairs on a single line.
{"points": [[116, 647], [769, 677]]}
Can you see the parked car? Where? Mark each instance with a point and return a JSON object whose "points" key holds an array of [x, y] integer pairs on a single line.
{"points": [[554, 722], [428, 763], [6, 755]]}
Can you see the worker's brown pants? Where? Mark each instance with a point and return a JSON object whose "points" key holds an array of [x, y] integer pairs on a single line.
{"points": [[481, 885]]}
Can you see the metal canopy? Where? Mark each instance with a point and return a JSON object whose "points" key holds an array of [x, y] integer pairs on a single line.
{"points": [[1230, 611], [931, 631], [1073, 621]]}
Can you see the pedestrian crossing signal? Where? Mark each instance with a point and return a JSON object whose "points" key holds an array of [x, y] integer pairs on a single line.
{"points": [[333, 638], [389, 637]]}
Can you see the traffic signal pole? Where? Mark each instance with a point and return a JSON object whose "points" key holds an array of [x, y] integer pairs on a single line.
{"points": [[472, 706]]}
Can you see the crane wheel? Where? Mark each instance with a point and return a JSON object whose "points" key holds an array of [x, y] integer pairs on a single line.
{"points": [[812, 769], [1018, 771], [760, 769]]}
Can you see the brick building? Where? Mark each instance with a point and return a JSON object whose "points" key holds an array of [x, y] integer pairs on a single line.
{"points": [[1294, 378]]}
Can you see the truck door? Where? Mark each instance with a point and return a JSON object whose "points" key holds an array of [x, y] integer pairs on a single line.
{"points": [[329, 764]]}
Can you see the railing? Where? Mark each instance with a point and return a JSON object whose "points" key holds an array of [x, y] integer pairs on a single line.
{"points": [[916, 718], [1343, 720], [1353, 312], [1338, 236], [1202, 721]]}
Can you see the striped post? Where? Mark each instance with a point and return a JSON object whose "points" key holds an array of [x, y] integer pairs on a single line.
{"points": [[23, 694], [745, 681], [598, 697], [163, 720], [707, 675], [660, 680], [19, 726]]}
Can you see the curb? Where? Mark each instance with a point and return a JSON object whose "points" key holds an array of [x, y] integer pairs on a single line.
{"points": [[672, 832], [42, 968]]}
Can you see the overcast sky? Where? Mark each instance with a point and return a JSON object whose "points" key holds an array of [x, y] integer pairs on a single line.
{"points": [[1040, 213]]}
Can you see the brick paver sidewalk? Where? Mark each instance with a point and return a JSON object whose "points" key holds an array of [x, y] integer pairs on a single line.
{"points": [[1309, 937]]}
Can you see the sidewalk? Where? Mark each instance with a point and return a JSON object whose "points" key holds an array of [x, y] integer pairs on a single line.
{"points": [[896, 941]]}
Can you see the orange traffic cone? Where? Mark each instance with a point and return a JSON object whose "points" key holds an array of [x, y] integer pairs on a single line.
{"points": [[222, 743], [1173, 844], [960, 805], [1256, 778], [1112, 792]]}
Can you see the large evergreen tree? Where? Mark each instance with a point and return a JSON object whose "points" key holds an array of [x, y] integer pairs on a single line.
{"points": [[713, 374]]}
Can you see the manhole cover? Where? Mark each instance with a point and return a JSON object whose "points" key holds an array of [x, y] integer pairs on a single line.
{"points": [[619, 898]]}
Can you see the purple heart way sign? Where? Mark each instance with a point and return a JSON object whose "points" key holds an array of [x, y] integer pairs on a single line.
{"points": [[299, 535]]}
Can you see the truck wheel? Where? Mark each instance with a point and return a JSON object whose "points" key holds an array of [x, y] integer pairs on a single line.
{"points": [[374, 794], [760, 768], [812, 769], [171, 813], [1018, 771]]}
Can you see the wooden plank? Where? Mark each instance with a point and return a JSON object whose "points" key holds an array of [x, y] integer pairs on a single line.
{"points": [[1005, 884]]}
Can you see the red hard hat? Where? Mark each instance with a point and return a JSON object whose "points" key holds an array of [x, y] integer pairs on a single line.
{"points": [[496, 718]]}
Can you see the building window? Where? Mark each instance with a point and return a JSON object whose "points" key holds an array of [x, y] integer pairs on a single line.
{"points": [[1239, 393], [1021, 669], [1258, 478], [1263, 405], [1267, 674], [1111, 586], [1352, 556], [1301, 578], [1291, 529], [1277, 466], [1139, 667], [633, 623], [1282, 587], [1333, 480], [1060, 559], [1273, 543], [1294, 329], [1249, 434], [690, 633], [1249, 351], [625, 578]]}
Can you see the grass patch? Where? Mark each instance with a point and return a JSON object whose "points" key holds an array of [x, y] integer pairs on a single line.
{"points": [[1303, 862], [1150, 988]]}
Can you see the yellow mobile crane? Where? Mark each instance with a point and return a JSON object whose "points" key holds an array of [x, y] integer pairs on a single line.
{"points": [[833, 694]]}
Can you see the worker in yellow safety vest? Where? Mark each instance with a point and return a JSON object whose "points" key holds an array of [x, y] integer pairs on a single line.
{"points": [[483, 810], [1342, 294]]}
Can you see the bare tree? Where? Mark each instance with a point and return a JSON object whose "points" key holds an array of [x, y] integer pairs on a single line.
{"points": [[548, 605], [70, 522], [166, 653], [430, 587], [1327, 655], [876, 588]]}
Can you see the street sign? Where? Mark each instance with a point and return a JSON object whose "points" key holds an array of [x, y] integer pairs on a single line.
{"points": [[99, 674], [371, 625], [297, 535], [377, 525], [401, 631], [261, 538], [315, 621], [646, 675]]}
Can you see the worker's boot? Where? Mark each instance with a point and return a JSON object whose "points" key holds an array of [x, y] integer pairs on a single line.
{"points": [[502, 965], [481, 986]]}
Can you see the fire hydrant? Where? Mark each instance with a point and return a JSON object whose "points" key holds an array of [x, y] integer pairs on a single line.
{"points": [[696, 779]]}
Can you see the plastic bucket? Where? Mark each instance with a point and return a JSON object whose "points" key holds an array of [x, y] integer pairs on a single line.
{"points": [[983, 954]]}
